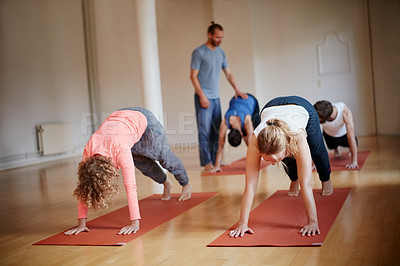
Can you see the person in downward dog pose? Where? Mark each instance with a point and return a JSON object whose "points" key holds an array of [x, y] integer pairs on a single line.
{"points": [[338, 128], [240, 119], [128, 137], [289, 132]]}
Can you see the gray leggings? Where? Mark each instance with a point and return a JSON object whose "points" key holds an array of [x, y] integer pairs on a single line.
{"points": [[153, 146]]}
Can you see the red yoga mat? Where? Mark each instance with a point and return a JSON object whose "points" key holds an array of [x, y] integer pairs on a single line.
{"points": [[104, 230], [236, 168], [278, 220], [339, 163]]}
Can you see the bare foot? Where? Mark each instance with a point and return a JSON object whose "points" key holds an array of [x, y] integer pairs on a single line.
{"points": [[208, 167], [337, 152], [327, 188], [167, 190], [186, 193], [293, 189]]}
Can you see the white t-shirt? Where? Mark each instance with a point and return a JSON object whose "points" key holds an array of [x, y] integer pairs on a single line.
{"points": [[295, 116], [337, 127]]}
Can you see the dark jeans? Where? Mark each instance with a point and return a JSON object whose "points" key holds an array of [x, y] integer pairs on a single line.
{"points": [[315, 140], [208, 122]]}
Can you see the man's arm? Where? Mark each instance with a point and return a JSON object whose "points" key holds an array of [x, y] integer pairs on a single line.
{"points": [[204, 102], [231, 80], [348, 120]]}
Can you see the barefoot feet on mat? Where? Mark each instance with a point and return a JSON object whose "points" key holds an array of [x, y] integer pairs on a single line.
{"points": [[208, 168], [327, 188], [293, 189], [336, 152], [167, 190], [186, 193]]}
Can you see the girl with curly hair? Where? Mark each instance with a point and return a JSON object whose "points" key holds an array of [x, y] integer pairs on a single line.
{"points": [[289, 132], [128, 137]]}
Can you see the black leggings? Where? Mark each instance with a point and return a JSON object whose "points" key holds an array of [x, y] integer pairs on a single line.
{"points": [[315, 140], [334, 142]]}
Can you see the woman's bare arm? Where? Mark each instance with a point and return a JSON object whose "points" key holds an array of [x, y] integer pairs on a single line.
{"points": [[253, 158]]}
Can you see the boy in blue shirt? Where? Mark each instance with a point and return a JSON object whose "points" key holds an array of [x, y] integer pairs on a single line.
{"points": [[241, 119]]}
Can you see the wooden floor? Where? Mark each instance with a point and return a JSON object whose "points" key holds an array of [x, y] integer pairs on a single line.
{"points": [[36, 202]]}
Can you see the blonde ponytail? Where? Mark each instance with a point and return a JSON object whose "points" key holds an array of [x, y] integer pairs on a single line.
{"points": [[275, 137]]}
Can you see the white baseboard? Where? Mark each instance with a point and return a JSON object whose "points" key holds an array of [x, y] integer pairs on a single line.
{"points": [[5, 165]]}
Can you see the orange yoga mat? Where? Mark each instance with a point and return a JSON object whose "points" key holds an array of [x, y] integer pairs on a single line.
{"points": [[278, 220], [236, 168], [104, 230], [339, 163]]}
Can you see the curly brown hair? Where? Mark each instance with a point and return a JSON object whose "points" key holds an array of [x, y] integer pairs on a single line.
{"points": [[97, 185], [275, 137]]}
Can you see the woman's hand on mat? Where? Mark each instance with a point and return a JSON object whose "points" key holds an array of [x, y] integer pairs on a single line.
{"points": [[129, 229], [310, 230], [352, 166], [80, 228], [240, 231]]}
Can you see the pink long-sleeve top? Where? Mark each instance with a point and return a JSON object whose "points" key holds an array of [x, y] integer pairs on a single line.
{"points": [[114, 138]]}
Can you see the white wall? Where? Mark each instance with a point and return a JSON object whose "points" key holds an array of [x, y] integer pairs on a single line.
{"points": [[42, 73], [385, 33], [182, 26], [287, 59], [117, 55], [235, 17]]}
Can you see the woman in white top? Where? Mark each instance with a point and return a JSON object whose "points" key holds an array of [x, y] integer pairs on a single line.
{"points": [[289, 132]]}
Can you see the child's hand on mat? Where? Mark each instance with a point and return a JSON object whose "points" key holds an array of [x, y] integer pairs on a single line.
{"points": [[240, 231], [310, 230], [77, 230], [133, 228], [80, 228], [216, 169]]}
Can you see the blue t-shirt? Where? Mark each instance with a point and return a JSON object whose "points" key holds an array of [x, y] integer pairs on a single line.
{"points": [[240, 107], [209, 63]]}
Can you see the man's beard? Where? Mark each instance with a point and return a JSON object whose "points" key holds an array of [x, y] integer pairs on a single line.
{"points": [[214, 43]]}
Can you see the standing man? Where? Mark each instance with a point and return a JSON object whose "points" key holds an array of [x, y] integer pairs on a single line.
{"points": [[205, 68]]}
